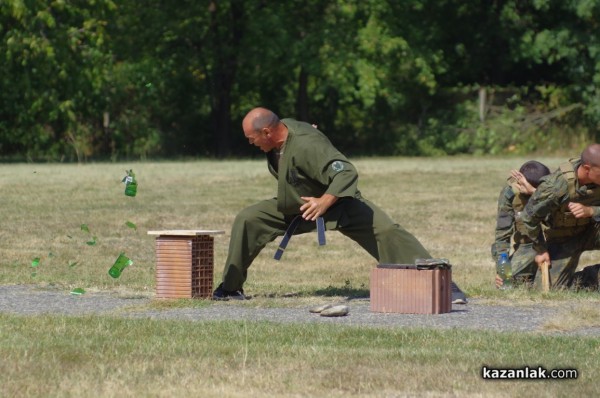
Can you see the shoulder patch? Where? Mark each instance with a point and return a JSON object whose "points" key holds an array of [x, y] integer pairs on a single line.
{"points": [[337, 166]]}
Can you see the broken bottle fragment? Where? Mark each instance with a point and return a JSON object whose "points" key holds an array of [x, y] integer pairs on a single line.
{"points": [[122, 262]]}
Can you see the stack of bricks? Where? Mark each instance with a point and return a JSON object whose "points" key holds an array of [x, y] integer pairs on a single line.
{"points": [[408, 290], [184, 264]]}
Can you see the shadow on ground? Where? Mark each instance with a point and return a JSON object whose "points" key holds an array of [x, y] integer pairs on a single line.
{"points": [[346, 291]]}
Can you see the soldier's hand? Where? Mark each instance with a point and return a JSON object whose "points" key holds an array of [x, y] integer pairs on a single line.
{"points": [[541, 258], [316, 207], [580, 211], [524, 186], [499, 282]]}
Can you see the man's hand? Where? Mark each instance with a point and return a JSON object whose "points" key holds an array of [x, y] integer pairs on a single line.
{"points": [[524, 186], [499, 282], [580, 211], [316, 207], [540, 258]]}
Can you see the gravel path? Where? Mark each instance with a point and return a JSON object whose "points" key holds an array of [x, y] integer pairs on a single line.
{"points": [[32, 300]]}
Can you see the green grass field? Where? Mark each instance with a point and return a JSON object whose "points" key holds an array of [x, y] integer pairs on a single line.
{"points": [[447, 203]]}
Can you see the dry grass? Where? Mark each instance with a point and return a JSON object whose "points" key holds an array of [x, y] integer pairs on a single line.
{"points": [[109, 357], [579, 315], [449, 204]]}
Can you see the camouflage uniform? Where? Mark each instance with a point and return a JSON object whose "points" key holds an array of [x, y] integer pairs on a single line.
{"points": [[509, 227], [564, 236], [309, 165]]}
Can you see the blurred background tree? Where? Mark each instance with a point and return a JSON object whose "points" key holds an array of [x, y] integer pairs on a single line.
{"points": [[101, 79]]}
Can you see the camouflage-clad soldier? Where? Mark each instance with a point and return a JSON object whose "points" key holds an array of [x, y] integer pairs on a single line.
{"points": [[509, 227], [568, 201]]}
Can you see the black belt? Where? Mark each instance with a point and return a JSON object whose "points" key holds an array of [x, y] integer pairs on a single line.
{"points": [[290, 231]]}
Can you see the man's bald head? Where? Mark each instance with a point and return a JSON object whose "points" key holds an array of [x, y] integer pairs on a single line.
{"points": [[591, 155], [259, 118], [263, 129]]}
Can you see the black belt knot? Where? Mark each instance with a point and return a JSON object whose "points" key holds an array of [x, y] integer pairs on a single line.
{"points": [[290, 231]]}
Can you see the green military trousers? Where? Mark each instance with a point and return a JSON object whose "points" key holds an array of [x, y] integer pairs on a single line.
{"points": [[524, 267], [565, 254], [358, 219]]}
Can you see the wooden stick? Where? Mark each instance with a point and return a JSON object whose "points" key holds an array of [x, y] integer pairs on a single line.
{"points": [[545, 277]]}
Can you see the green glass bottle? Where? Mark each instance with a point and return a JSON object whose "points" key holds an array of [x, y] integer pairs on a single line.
{"points": [[122, 262], [130, 183]]}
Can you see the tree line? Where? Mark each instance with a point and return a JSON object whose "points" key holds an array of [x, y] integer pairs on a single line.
{"points": [[108, 79]]}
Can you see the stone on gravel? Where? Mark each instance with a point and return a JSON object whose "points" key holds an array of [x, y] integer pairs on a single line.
{"points": [[320, 308], [338, 310]]}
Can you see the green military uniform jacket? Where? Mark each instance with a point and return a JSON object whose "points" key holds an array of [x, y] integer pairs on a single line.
{"points": [[510, 206], [549, 204], [309, 165]]}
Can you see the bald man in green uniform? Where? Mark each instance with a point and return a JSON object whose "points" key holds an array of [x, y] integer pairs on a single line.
{"points": [[313, 180]]}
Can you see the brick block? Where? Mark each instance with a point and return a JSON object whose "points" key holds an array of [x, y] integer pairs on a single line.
{"points": [[409, 290], [184, 266]]}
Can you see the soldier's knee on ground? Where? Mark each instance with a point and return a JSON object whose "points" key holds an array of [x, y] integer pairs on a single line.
{"points": [[587, 278]]}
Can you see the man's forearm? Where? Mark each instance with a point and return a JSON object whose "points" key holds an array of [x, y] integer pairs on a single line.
{"points": [[328, 200]]}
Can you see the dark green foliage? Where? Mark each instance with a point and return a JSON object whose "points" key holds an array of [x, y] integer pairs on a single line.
{"points": [[116, 80], [56, 63]]}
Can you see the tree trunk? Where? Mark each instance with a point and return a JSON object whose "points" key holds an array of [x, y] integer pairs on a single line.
{"points": [[482, 103], [226, 29]]}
